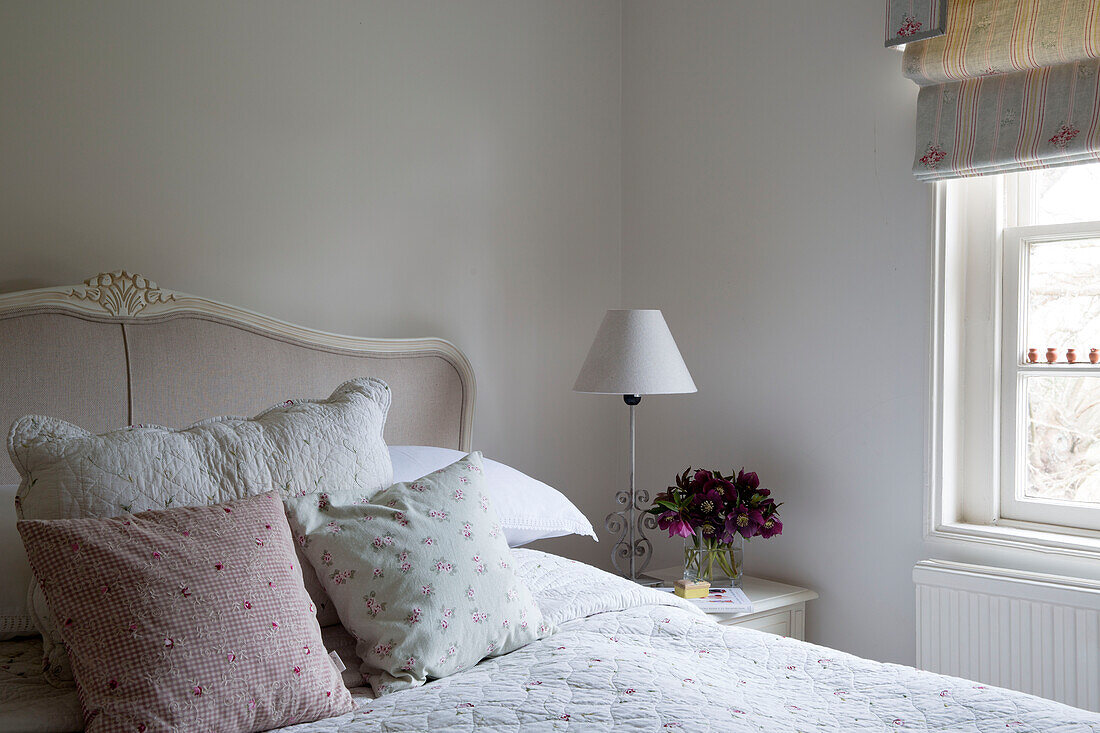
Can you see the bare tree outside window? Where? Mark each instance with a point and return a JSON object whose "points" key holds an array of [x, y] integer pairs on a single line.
{"points": [[1063, 412]]}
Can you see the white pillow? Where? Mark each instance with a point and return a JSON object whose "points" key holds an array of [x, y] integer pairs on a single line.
{"points": [[15, 573], [529, 510]]}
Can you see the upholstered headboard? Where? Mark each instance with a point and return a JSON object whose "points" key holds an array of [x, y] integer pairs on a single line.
{"points": [[118, 350]]}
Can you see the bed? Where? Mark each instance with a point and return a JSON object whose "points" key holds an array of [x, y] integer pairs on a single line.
{"points": [[119, 350]]}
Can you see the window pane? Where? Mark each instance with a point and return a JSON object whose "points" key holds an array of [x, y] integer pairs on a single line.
{"points": [[1063, 438], [1063, 302], [1067, 194]]}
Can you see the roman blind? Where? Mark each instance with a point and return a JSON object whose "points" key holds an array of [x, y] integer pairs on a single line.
{"points": [[1011, 85]]}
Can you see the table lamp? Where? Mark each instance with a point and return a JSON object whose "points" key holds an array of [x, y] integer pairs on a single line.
{"points": [[634, 354]]}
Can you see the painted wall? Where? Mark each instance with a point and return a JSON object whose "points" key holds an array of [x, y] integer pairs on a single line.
{"points": [[499, 172], [383, 168], [769, 210]]}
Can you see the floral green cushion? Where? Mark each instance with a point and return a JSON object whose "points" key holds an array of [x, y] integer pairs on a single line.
{"points": [[420, 574]]}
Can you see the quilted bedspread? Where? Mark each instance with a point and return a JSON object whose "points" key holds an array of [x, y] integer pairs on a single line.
{"points": [[626, 658]]}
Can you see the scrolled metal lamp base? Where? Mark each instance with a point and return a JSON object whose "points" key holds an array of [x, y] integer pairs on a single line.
{"points": [[631, 554]]}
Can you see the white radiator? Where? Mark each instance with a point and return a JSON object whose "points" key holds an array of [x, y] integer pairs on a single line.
{"points": [[1025, 631]]}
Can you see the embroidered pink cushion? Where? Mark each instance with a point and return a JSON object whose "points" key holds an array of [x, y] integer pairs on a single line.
{"points": [[193, 618]]}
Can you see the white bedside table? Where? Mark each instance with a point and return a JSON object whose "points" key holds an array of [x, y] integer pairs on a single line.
{"points": [[777, 608]]}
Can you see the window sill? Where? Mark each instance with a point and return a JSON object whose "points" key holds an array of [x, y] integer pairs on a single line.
{"points": [[1019, 535]]}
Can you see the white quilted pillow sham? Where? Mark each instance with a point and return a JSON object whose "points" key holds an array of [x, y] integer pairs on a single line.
{"points": [[298, 447]]}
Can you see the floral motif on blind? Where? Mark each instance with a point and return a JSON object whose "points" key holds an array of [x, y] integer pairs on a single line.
{"points": [[912, 20]]}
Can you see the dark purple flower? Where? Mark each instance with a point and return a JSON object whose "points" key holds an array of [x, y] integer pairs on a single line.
{"points": [[701, 479], [681, 528], [749, 480], [709, 530], [731, 528], [729, 490], [710, 501], [676, 524], [745, 522], [771, 527]]}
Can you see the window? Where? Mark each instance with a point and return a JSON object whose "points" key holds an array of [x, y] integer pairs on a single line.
{"points": [[1018, 344]]}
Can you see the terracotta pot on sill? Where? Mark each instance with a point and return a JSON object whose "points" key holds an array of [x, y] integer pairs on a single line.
{"points": [[1052, 355], [1071, 355], [1094, 355], [1033, 355]]}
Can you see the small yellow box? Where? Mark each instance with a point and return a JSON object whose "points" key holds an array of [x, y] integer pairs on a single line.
{"points": [[691, 588]]}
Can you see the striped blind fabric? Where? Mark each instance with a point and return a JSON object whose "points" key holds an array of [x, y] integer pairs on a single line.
{"points": [[1012, 85], [912, 20]]}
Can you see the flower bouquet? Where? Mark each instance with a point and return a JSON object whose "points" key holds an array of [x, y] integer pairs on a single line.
{"points": [[714, 514]]}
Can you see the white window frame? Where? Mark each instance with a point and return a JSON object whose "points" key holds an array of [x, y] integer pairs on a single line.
{"points": [[976, 369], [1015, 370]]}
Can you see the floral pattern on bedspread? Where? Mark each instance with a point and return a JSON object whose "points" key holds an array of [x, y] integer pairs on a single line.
{"points": [[27, 701], [650, 667], [652, 679], [17, 660]]}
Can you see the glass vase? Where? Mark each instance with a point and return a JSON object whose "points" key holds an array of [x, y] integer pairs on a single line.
{"points": [[718, 563]]}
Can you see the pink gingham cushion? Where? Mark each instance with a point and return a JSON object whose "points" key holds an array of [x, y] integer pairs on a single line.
{"points": [[193, 618]]}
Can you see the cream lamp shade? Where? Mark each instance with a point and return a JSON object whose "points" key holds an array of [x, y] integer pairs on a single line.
{"points": [[634, 354]]}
